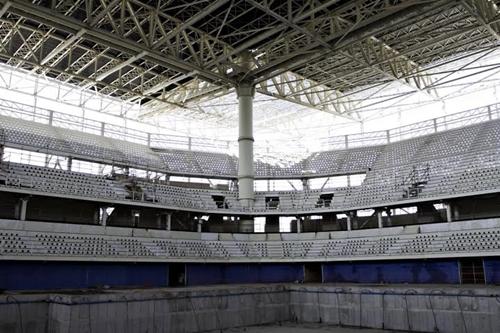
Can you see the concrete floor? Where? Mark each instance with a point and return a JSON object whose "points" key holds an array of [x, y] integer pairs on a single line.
{"points": [[301, 328]]}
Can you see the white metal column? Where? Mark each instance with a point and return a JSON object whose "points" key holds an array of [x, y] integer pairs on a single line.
{"points": [[245, 143]]}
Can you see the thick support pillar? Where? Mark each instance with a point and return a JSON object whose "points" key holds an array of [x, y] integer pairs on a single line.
{"points": [[246, 225], [245, 142], [168, 225], [379, 219], [104, 216], [200, 223], [159, 218], [389, 219], [448, 213], [22, 209], [456, 213], [305, 184], [349, 222], [299, 225]]}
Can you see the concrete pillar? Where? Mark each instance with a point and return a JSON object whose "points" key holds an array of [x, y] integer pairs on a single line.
{"points": [[200, 223], [379, 219], [305, 184], [245, 142], [349, 222], [158, 220], [389, 219], [104, 216], [299, 225], [22, 209], [70, 163], [456, 213], [448, 212], [169, 222], [246, 225]]}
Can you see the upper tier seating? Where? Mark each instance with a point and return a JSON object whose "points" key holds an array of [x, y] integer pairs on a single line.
{"points": [[62, 141], [61, 181], [461, 161], [349, 161], [416, 151]]}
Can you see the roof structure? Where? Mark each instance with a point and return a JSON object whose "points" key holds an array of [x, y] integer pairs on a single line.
{"points": [[321, 54]]}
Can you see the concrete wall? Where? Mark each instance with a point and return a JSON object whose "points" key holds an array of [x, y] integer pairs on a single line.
{"points": [[172, 310], [419, 309], [407, 308]]}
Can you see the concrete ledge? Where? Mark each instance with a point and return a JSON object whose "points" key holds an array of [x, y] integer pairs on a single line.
{"points": [[407, 308]]}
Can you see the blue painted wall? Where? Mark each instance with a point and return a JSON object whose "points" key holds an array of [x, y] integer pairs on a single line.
{"points": [[492, 270], [205, 274], [37, 275], [435, 271]]}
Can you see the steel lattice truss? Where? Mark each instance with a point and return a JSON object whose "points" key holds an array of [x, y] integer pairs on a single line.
{"points": [[171, 54]]}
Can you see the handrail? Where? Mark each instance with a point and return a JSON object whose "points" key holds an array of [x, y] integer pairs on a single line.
{"points": [[158, 140]]}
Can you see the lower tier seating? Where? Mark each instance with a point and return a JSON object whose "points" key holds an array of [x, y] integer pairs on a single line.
{"points": [[458, 238]]}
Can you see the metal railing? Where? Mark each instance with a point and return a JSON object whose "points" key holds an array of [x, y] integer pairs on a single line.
{"points": [[158, 140], [64, 120], [439, 124]]}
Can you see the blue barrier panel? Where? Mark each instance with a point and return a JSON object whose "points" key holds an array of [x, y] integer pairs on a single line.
{"points": [[492, 270], [203, 274], [38, 275], [241, 273], [281, 273], [438, 271]]}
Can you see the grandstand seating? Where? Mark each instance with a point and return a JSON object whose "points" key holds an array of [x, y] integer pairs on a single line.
{"points": [[460, 161], [464, 238], [61, 182]]}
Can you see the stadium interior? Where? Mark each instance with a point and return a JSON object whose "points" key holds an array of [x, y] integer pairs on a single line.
{"points": [[250, 165]]}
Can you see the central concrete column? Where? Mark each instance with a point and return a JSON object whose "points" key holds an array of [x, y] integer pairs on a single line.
{"points": [[246, 175], [23, 209], [104, 216], [169, 222], [449, 217], [379, 219]]}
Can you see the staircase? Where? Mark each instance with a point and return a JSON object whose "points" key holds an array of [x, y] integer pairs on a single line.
{"points": [[415, 182], [471, 271]]}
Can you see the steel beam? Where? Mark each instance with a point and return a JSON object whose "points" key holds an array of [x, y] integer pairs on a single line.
{"points": [[70, 25]]}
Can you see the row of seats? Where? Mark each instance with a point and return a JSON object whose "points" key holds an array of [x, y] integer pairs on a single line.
{"points": [[472, 166], [469, 173], [60, 181], [34, 243], [45, 138]]}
